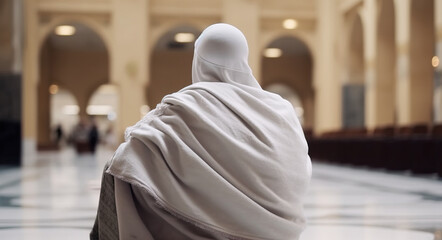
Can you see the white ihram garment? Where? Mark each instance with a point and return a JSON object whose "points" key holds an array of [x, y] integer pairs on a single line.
{"points": [[220, 159]]}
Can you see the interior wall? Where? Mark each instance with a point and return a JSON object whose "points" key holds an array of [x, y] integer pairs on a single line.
{"points": [[170, 71], [386, 65], [422, 43], [6, 32], [295, 72]]}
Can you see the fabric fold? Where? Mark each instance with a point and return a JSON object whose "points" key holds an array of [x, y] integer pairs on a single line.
{"points": [[223, 157]]}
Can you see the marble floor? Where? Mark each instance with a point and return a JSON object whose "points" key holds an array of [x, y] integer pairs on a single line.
{"points": [[56, 198]]}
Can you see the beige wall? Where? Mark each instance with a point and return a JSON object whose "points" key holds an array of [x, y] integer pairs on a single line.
{"points": [[295, 72], [170, 71], [328, 67], [385, 104], [355, 63], [422, 44]]}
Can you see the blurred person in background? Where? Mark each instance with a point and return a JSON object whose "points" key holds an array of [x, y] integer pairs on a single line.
{"points": [[93, 136]]}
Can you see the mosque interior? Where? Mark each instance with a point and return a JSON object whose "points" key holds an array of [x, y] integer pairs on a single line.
{"points": [[364, 78]]}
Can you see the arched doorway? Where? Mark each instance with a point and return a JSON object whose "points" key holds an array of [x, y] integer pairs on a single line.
{"points": [[290, 95], [64, 111], [287, 64], [171, 63], [422, 49], [386, 65], [102, 108], [75, 57], [353, 90]]}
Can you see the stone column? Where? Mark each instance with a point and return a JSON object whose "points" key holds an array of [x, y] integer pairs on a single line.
{"points": [[369, 20], [129, 58], [233, 13], [415, 41], [327, 87], [30, 79], [403, 100]]}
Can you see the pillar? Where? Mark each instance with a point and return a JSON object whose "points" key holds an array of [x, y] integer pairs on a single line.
{"points": [[30, 79], [369, 19], [385, 65], [414, 71], [233, 13], [422, 40], [403, 17], [326, 84], [129, 58]]}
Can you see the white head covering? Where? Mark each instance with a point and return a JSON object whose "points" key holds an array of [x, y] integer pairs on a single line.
{"points": [[221, 55], [222, 153]]}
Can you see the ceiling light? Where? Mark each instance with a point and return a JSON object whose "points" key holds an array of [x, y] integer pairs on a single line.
{"points": [[65, 30], [290, 23], [53, 89], [184, 37], [272, 52]]}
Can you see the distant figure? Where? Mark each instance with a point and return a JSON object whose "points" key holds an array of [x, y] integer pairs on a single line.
{"points": [[58, 134], [80, 137], [93, 137], [219, 159]]}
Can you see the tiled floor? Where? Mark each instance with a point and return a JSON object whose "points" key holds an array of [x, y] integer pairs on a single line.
{"points": [[56, 198]]}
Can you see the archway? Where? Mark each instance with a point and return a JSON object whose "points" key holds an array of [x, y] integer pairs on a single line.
{"points": [[64, 111], [386, 65], [74, 57], [287, 62], [102, 108], [171, 63], [353, 90], [422, 42], [290, 95]]}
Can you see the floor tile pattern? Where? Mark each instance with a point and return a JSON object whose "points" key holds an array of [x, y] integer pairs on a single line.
{"points": [[56, 198]]}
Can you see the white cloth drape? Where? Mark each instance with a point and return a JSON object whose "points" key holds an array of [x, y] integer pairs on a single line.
{"points": [[221, 154]]}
